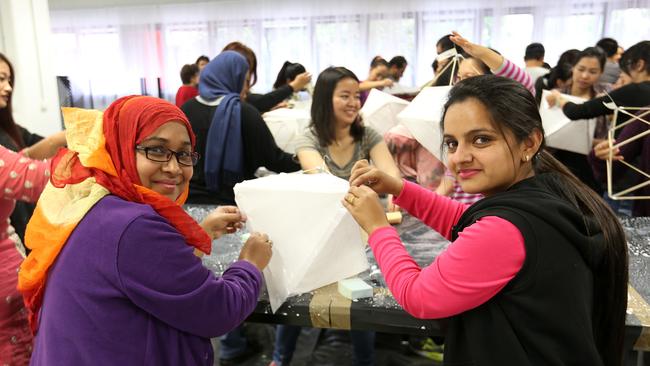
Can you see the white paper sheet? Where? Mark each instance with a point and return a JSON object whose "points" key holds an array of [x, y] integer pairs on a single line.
{"points": [[563, 133], [286, 124], [381, 109], [315, 240], [422, 117]]}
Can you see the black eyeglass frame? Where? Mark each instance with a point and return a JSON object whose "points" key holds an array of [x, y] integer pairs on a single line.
{"points": [[178, 154]]}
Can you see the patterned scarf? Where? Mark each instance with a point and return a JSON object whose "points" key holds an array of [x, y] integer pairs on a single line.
{"points": [[100, 160]]}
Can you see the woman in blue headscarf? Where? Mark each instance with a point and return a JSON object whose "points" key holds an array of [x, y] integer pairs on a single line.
{"points": [[231, 135]]}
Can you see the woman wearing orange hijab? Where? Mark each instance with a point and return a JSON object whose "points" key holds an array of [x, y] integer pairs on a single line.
{"points": [[112, 278]]}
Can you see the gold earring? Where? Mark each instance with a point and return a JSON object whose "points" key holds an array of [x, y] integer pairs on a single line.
{"points": [[527, 158]]}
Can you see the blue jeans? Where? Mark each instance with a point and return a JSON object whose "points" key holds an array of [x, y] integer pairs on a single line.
{"points": [[233, 344], [286, 336]]}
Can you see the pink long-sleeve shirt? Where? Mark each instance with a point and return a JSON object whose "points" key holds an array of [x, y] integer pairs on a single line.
{"points": [[475, 267]]}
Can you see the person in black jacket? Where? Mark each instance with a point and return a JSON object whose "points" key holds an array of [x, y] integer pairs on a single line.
{"points": [[232, 137], [537, 271]]}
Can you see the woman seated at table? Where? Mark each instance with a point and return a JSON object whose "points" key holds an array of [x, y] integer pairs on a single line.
{"points": [[377, 78], [335, 140], [536, 271], [112, 277], [232, 138], [336, 137]]}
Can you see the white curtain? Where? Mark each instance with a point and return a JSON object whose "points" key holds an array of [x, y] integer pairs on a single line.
{"points": [[111, 52]]}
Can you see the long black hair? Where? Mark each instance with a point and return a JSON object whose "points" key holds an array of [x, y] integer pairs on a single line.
{"points": [[7, 123], [636, 53], [322, 109], [287, 73], [512, 108]]}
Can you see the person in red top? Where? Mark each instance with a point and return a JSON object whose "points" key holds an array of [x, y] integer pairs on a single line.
{"points": [[190, 78]]}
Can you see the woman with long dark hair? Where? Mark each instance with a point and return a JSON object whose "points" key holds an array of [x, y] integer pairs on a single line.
{"points": [[335, 140], [537, 271]]}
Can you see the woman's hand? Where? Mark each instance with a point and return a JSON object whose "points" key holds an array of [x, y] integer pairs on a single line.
{"points": [[390, 206], [257, 250], [555, 98], [365, 174], [492, 59], [602, 151], [363, 203], [222, 220], [300, 81], [387, 83], [472, 49]]}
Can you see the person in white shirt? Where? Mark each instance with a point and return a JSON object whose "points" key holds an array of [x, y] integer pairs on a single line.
{"points": [[534, 59]]}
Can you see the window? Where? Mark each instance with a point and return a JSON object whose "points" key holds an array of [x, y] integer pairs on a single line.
{"points": [[284, 40], [515, 33], [338, 42], [389, 37], [629, 26]]}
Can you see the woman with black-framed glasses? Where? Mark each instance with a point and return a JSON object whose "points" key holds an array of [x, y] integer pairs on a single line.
{"points": [[161, 154], [113, 262]]}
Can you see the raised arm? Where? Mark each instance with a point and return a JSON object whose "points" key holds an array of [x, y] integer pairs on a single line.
{"points": [[499, 65]]}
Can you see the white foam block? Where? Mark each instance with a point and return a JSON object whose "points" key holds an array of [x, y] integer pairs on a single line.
{"points": [[355, 288]]}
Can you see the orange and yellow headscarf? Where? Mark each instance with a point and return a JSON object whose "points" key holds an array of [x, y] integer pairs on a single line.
{"points": [[100, 160]]}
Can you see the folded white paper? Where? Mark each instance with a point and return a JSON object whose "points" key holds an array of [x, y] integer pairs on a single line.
{"points": [[315, 239], [563, 133], [423, 115], [286, 125], [381, 109]]}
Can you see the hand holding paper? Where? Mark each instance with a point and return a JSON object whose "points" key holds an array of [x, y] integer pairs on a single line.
{"points": [[224, 219], [363, 204], [315, 240], [365, 174], [563, 133], [257, 250]]}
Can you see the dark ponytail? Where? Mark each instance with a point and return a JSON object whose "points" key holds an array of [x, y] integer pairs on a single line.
{"points": [[512, 108], [289, 71]]}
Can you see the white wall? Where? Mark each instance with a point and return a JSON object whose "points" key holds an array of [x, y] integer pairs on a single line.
{"points": [[24, 39]]}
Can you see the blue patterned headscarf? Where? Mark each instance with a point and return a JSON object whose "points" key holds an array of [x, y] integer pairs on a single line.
{"points": [[224, 153]]}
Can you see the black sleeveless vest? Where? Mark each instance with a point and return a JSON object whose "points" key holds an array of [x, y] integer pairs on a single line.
{"points": [[544, 315]]}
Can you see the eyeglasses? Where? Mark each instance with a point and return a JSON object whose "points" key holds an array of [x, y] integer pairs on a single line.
{"points": [[162, 155]]}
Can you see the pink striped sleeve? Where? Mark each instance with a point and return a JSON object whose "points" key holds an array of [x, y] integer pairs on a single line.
{"points": [[511, 71], [438, 212], [474, 268]]}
